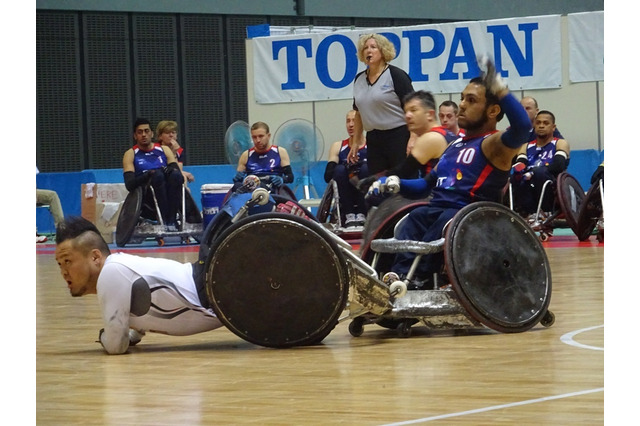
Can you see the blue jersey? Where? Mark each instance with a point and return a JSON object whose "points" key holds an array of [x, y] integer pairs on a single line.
{"points": [[539, 156], [267, 163], [344, 153], [148, 160], [465, 175]]}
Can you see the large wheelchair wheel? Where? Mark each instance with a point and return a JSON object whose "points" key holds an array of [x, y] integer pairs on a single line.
{"points": [[129, 215], [277, 280], [590, 212], [381, 222], [497, 267], [570, 196], [328, 209]]}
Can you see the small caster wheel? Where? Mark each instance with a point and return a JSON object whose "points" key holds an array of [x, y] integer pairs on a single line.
{"points": [[548, 319], [404, 328], [398, 289], [390, 277], [356, 327], [160, 241], [544, 236]]}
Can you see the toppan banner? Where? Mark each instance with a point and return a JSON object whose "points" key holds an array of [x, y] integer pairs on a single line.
{"points": [[440, 58]]}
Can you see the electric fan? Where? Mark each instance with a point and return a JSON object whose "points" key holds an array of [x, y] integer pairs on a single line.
{"points": [[305, 145], [237, 139]]}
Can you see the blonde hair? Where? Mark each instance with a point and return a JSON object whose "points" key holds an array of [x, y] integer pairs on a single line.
{"points": [[387, 49], [166, 126]]}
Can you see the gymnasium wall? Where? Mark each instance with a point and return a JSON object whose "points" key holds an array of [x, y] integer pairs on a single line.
{"points": [[578, 107]]}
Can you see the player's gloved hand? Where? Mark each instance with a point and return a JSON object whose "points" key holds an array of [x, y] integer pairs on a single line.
{"points": [[239, 177], [276, 181], [384, 185], [527, 176], [291, 208], [492, 79], [392, 185], [518, 167]]}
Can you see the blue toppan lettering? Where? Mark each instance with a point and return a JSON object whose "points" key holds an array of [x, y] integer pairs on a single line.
{"points": [[322, 61], [416, 55], [291, 52], [523, 63], [460, 42], [461, 37]]}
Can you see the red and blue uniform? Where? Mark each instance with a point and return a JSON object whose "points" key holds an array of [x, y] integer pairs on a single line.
{"points": [[528, 183], [464, 175], [540, 155], [343, 154], [264, 164], [148, 160]]}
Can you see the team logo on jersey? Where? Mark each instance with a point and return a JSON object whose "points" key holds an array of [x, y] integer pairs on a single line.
{"points": [[458, 174]]}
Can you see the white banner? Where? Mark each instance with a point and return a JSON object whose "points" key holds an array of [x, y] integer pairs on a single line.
{"points": [[440, 58], [586, 47]]}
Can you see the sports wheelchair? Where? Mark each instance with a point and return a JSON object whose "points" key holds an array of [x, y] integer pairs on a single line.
{"points": [[279, 280], [331, 214], [140, 218], [591, 214], [568, 197]]}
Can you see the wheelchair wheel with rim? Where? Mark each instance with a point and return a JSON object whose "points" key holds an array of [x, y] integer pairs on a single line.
{"points": [[590, 212], [570, 197], [497, 267], [327, 209], [129, 215], [259, 285]]}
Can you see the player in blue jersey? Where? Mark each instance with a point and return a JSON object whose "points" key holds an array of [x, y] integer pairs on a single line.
{"points": [[539, 160], [264, 159], [346, 174], [473, 168], [530, 104], [136, 294], [149, 163]]}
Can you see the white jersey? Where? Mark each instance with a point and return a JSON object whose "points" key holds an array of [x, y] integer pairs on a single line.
{"points": [[165, 301]]}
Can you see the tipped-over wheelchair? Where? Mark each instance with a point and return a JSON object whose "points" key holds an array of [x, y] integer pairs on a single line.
{"points": [[280, 280], [568, 197], [140, 218]]}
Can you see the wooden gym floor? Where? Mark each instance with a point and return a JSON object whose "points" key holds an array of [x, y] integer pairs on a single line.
{"points": [[543, 376]]}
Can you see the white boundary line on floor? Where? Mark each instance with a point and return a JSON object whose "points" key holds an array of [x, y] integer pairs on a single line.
{"points": [[568, 338], [497, 407]]}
